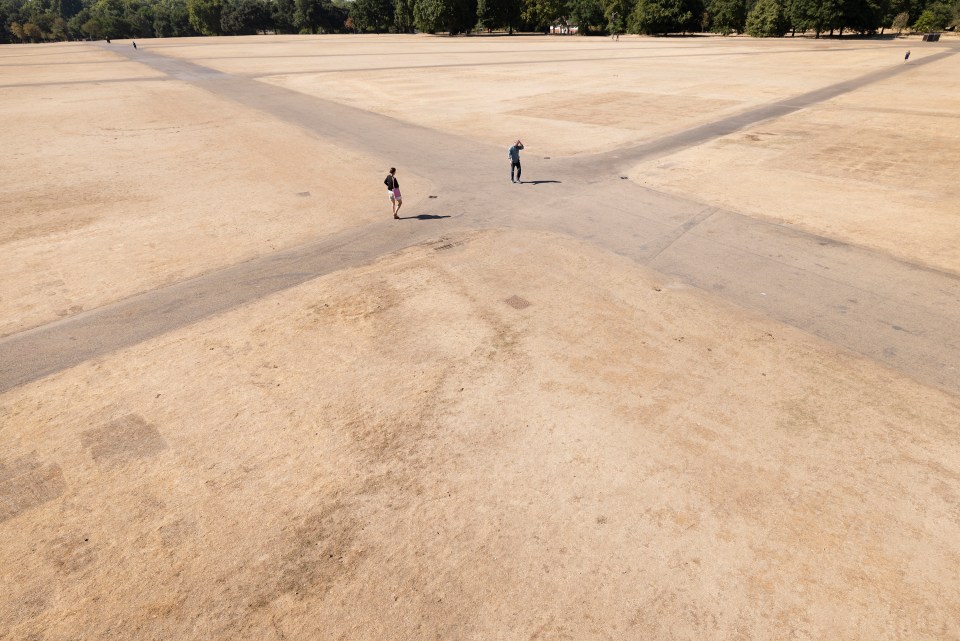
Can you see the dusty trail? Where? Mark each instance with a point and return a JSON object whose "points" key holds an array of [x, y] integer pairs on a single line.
{"points": [[861, 300]]}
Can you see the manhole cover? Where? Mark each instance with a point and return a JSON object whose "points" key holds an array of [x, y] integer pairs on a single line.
{"points": [[517, 303]]}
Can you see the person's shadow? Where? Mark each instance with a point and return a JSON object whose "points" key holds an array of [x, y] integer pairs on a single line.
{"points": [[538, 182], [422, 217]]}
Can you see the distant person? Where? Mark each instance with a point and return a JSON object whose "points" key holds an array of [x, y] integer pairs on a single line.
{"points": [[514, 154], [134, 45], [393, 191], [108, 40], [907, 57]]}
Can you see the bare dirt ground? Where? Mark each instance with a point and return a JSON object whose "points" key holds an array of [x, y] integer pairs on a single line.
{"points": [[492, 434], [112, 188], [422, 449], [875, 167]]}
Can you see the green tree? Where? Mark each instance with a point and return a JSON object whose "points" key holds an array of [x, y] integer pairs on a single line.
{"points": [[138, 16], [727, 16], [403, 16], [661, 16], [40, 17], [75, 24], [429, 15], [171, 19], [284, 16], [587, 14], [307, 15], [616, 13], [109, 15], [205, 16], [818, 15], [372, 15], [5, 22], [900, 22], [453, 16], [936, 17], [319, 16], [32, 32], [909, 7], [58, 29], [862, 16], [244, 17], [66, 9], [94, 29], [17, 30], [334, 16], [767, 19], [494, 14], [543, 13]]}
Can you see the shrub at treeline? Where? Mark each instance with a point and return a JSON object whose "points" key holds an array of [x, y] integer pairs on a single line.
{"points": [[44, 20]]}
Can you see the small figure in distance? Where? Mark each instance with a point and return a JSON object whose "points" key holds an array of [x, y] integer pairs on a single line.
{"points": [[514, 154], [907, 57], [134, 45], [108, 40], [393, 191]]}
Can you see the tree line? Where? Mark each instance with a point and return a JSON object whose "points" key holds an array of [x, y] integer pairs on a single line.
{"points": [[52, 20]]}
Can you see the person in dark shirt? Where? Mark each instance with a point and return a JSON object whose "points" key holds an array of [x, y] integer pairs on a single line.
{"points": [[514, 154], [393, 191]]}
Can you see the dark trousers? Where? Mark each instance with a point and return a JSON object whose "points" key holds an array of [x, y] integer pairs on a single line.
{"points": [[517, 166]]}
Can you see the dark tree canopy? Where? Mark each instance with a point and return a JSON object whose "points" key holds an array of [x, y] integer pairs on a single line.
{"points": [[816, 15], [496, 14], [452, 16], [936, 17], [588, 15], [205, 16], [768, 19], [47, 20], [665, 16], [372, 15], [403, 16], [727, 16], [245, 17]]}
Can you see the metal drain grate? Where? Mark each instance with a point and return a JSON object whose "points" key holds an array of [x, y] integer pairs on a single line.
{"points": [[517, 303]]}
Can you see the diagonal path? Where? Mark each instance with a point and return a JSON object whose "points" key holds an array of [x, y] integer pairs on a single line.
{"points": [[901, 314]]}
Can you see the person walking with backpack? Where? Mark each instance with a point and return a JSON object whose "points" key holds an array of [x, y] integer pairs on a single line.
{"points": [[514, 154], [393, 191]]}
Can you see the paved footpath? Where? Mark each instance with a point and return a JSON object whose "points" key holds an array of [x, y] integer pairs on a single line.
{"points": [[904, 315]]}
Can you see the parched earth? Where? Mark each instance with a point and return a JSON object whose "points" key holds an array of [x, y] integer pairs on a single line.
{"points": [[239, 401]]}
